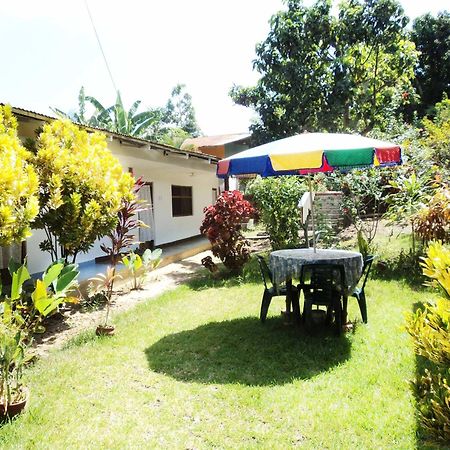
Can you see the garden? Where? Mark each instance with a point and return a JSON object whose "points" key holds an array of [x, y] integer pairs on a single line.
{"points": [[195, 367]]}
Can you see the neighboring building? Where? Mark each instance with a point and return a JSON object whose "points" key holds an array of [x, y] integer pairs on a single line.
{"points": [[179, 184], [221, 146]]}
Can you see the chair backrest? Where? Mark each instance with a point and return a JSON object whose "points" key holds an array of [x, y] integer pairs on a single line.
{"points": [[266, 274], [368, 260], [323, 278]]}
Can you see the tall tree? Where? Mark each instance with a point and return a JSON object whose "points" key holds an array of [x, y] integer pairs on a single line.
{"points": [[322, 72], [432, 38], [179, 111]]}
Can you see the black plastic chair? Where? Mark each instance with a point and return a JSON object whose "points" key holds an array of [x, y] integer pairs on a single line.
{"points": [[270, 291], [323, 285], [358, 292]]}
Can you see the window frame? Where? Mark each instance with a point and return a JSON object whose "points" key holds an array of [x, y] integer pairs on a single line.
{"points": [[188, 198]]}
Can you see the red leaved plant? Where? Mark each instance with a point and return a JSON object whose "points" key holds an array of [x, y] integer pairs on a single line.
{"points": [[222, 226]]}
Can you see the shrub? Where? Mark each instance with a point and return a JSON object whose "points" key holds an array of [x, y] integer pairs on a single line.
{"points": [[433, 221], [18, 183], [222, 226], [81, 188], [430, 330], [276, 199]]}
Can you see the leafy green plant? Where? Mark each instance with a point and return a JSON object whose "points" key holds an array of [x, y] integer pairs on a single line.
{"points": [[140, 266], [276, 199], [410, 196], [432, 222], [104, 282], [41, 297], [430, 330], [21, 314]]}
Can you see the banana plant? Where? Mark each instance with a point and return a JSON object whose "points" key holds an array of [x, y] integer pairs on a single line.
{"points": [[140, 266], [47, 293]]}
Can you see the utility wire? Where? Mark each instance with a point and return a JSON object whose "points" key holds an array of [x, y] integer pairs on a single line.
{"points": [[100, 45]]}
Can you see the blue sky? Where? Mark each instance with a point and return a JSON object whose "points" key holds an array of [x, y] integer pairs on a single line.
{"points": [[49, 51]]}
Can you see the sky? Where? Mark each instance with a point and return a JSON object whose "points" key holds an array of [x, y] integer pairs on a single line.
{"points": [[49, 50]]}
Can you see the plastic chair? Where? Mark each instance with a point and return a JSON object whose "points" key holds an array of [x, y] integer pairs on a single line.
{"points": [[270, 291], [358, 292], [325, 288]]}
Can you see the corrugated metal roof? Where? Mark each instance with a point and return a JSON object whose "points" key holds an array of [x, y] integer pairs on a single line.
{"points": [[211, 141], [121, 137]]}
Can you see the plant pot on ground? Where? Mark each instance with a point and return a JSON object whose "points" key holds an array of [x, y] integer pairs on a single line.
{"points": [[15, 406], [105, 330]]}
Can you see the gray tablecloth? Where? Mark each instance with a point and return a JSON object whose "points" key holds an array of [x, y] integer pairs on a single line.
{"points": [[287, 264]]}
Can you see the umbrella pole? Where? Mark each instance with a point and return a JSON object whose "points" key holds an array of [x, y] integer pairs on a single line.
{"points": [[312, 213]]}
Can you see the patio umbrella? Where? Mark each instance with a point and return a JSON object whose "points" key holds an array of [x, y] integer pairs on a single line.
{"points": [[310, 153]]}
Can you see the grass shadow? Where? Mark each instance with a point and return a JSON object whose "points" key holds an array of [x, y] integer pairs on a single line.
{"points": [[247, 352]]}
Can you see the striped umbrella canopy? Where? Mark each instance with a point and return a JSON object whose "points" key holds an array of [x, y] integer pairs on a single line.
{"points": [[309, 153]]}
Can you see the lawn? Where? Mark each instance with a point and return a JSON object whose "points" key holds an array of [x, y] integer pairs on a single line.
{"points": [[194, 368]]}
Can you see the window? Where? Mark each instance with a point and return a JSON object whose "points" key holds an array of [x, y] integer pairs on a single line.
{"points": [[214, 195], [181, 201]]}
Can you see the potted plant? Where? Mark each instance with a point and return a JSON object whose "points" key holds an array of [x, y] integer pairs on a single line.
{"points": [[21, 314], [104, 282], [13, 356]]}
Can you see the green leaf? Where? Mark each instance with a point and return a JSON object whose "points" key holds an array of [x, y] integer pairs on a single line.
{"points": [[52, 273], [66, 281], [19, 277]]}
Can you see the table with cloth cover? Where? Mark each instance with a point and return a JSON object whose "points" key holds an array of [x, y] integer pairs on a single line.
{"points": [[287, 264]]}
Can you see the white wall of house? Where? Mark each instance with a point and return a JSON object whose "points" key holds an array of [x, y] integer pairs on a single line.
{"points": [[162, 169]]}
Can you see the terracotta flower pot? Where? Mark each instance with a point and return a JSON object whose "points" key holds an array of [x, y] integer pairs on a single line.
{"points": [[14, 408], [105, 330]]}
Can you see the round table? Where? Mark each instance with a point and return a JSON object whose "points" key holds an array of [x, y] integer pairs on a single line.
{"points": [[287, 264]]}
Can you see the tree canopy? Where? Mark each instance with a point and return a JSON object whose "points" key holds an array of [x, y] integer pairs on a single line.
{"points": [[18, 183], [170, 124], [432, 38], [324, 72]]}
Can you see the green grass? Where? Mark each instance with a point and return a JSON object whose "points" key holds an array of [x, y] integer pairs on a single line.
{"points": [[195, 368]]}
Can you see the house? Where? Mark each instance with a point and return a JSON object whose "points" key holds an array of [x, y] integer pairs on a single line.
{"points": [[178, 185], [220, 146]]}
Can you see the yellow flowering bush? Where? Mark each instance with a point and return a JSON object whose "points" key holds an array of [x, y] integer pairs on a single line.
{"points": [[430, 330], [81, 188], [18, 183]]}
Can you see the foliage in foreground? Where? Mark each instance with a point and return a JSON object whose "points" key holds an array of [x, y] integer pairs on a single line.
{"points": [[430, 330], [18, 183], [276, 199], [222, 226], [81, 188]]}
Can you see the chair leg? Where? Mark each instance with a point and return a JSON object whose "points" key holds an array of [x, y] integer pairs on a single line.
{"points": [[307, 315], [296, 305], [338, 316], [267, 298], [362, 306]]}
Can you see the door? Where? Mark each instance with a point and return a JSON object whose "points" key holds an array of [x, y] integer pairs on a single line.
{"points": [[147, 234]]}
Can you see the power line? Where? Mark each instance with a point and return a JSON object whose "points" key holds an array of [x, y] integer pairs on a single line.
{"points": [[100, 45]]}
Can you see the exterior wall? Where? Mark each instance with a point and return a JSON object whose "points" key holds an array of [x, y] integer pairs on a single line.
{"points": [[163, 169]]}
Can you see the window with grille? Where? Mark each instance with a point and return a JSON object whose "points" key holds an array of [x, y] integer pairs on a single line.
{"points": [[181, 201]]}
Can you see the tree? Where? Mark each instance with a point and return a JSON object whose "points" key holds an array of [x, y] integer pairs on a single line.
{"points": [[179, 111], [18, 183], [81, 188], [432, 38], [276, 199], [169, 125], [321, 72]]}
